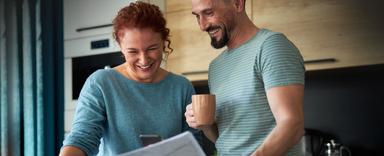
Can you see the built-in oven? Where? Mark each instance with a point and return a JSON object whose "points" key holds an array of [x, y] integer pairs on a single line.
{"points": [[83, 67], [82, 57]]}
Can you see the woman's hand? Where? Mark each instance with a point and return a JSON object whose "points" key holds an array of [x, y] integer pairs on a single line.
{"points": [[209, 130], [190, 118], [71, 151]]}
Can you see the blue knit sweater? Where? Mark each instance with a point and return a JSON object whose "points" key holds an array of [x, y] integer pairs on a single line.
{"points": [[115, 110]]}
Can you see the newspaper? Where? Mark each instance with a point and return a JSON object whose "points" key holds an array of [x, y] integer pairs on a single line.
{"points": [[183, 144]]}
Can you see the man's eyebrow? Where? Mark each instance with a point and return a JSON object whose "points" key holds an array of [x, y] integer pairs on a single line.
{"points": [[202, 11]]}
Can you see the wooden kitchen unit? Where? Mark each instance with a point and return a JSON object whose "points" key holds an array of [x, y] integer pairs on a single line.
{"points": [[330, 34], [342, 33]]}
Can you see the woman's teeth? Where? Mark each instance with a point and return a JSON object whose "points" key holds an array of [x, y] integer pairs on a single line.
{"points": [[144, 67]]}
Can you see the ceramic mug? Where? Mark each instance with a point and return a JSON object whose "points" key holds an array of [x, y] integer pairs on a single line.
{"points": [[204, 107]]}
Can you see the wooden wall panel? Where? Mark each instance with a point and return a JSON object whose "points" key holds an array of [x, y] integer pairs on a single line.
{"points": [[348, 30]]}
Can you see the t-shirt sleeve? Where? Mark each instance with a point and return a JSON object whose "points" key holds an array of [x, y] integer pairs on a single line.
{"points": [[281, 63], [89, 120]]}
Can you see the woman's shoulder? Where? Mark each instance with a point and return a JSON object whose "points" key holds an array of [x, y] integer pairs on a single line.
{"points": [[102, 75], [179, 82], [177, 78]]}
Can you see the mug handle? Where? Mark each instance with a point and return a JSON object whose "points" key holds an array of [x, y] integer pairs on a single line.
{"points": [[346, 149]]}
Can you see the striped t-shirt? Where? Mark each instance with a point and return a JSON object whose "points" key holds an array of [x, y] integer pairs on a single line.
{"points": [[239, 78]]}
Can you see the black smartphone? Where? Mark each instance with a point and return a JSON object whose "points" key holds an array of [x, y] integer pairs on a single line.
{"points": [[147, 139]]}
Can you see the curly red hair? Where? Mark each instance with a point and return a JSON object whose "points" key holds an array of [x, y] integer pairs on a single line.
{"points": [[142, 15]]}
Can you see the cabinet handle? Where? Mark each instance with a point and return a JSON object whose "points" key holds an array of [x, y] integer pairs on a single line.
{"points": [[195, 72], [93, 27], [324, 60]]}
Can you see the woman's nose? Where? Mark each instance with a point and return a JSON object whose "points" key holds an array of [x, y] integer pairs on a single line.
{"points": [[143, 58]]}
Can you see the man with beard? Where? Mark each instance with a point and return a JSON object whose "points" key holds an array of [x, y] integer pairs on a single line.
{"points": [[258, 82]]}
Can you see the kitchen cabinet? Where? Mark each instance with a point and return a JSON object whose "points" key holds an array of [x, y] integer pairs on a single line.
{"points": [[329, 34], [83, 18], [344, 33], [88, 26], [192, 50]]}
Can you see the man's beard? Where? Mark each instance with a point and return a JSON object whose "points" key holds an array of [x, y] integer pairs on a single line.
{"points": [[217, 44]]}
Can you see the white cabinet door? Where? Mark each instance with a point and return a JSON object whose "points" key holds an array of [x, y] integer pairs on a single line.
{"points": [[89, 21], [84, 18]]}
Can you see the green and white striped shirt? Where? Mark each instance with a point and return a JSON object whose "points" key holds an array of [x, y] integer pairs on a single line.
{"points": [[239, 78]]}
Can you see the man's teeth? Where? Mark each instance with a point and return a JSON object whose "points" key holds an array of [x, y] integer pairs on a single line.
{"points": [[213, 31]]}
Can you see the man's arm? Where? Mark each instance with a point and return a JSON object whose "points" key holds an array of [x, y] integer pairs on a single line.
{"points": [[286, 103], [210, 132], [71, 151]]}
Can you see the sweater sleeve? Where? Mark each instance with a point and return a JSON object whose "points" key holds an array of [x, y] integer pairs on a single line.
{"points": [[188, 100], [89, 121]]}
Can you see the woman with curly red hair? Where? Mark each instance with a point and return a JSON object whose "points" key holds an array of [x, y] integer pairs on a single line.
{"points": [[137, 97]]}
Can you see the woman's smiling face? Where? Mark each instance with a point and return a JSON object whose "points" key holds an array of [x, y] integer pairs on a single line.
{"points": [[143, 52]]}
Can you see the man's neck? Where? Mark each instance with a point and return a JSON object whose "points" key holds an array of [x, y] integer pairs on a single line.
{"points": [[243, 32]]}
